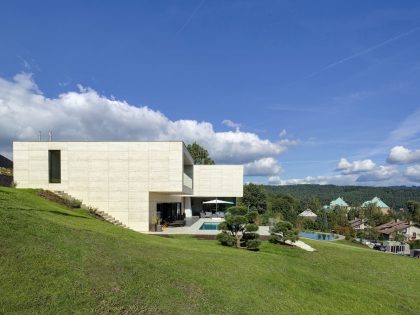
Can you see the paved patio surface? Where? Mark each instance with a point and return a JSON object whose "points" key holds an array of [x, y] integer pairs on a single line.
{"points": [[194, 229]]}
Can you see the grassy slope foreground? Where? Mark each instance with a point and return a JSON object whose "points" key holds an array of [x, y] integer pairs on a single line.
{"points": [[54, 260]]}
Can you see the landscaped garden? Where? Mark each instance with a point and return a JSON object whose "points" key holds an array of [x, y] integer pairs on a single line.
{"points": [[55, 260]]}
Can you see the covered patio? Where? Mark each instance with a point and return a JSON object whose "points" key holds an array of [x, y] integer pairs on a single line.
{"points": [[209, 207]]}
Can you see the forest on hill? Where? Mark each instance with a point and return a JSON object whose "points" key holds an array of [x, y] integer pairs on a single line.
{"points": [[395, 197]]}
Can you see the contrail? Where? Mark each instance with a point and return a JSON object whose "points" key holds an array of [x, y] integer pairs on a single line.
{"points": [[190, 18], [361, 53]]}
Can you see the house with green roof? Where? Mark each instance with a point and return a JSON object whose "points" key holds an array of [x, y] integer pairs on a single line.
{"points": [[378, 203], [339, 202]]}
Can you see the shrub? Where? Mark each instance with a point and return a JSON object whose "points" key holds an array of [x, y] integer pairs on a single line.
{"points": [[284, 231], [253, 244], [414, 244], [239, 228], [73, 202], [344, 230], [307, 224], [225, 239]]}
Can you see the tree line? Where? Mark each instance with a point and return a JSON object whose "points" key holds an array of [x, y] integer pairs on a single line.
{"points": [[395, 197]]}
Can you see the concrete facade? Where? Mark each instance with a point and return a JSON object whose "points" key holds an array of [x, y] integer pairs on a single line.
{"points": [[125, 179]]}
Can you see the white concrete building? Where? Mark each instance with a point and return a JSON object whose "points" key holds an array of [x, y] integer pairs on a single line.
{"points": [[130, 181]]}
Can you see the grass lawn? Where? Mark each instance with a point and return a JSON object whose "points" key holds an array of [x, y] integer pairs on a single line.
{"points": [[54, 260], [350, 243]]}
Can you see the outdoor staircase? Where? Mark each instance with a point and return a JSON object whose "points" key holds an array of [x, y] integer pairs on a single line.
{"points": [[98, 213]]}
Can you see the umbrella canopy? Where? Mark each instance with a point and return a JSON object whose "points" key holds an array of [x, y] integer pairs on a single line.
{"points": [[217, 201]]}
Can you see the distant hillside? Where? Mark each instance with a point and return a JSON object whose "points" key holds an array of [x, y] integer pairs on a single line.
{"points": [[395, 197], [5, 162]]}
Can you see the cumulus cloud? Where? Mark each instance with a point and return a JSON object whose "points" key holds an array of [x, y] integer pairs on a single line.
{"points": [[274, 180], [355, 167], [413, 173], [402, 155], [87, 115], [231, 124], [263, 167], [380, 173]]}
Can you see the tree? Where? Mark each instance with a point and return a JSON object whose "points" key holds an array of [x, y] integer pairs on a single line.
{"points": [[341, 216], [306, 224], [284, 231], [199, 154], [323, 221], [239, 229], [288, 206], [413, 209], [374, 215], [255, 198], [314, 204]]}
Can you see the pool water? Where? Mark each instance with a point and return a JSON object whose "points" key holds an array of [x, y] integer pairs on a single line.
{"points": [[209, 226], [318, 236]]}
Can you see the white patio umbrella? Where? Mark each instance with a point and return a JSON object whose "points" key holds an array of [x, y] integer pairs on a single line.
{"points": [[217, 201]]}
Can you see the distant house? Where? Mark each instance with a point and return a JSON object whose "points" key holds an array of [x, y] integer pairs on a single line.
{"points": [[339, 202], [379, 203], [397, 248], [358, 224], [411, 231], [308, 214]]}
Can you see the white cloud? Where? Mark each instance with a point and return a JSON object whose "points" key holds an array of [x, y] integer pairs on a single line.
{"points": [[413, 173], [87, 115], [282, 133], [263, 167], [321, 180], [380, 173], [231, 124], [355, 167], [274, 180], [402, 155]]}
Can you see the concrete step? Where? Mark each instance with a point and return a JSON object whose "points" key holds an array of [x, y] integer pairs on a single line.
{"points": [[100, 213]]}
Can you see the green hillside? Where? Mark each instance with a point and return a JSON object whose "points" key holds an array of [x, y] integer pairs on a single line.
{"points": [[55, 260], [395, 197]]}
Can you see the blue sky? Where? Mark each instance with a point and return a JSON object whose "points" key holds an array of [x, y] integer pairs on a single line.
{"points": [[304, 84]]}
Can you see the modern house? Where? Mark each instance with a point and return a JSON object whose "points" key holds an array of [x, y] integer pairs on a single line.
{"points": [[308, 214], [130, 181], [410, 231], [378, 203]]}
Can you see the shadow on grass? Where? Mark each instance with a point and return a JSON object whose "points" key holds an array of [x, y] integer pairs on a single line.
{"points": [[56, 212]]}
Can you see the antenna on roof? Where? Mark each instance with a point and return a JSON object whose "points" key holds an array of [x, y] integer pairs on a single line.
{"points": [[39, 135], [50, 135]]}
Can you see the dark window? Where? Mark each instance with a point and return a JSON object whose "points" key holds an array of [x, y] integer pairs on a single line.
{"points": [[170, 212], [54, 166]]}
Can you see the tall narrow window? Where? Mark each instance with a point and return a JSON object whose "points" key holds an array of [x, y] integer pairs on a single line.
{"points": [[54, 166]]}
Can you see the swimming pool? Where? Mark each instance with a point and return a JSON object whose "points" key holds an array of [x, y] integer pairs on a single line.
{"points": [[209, 226], [318, 236]]}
